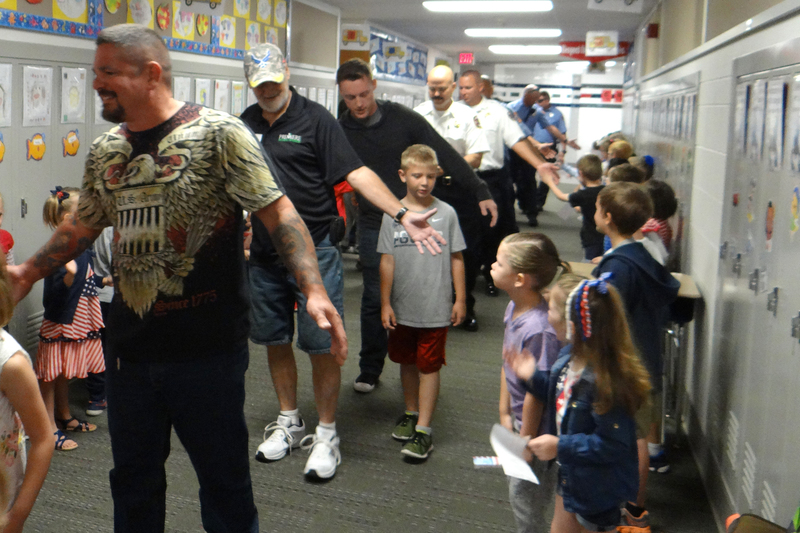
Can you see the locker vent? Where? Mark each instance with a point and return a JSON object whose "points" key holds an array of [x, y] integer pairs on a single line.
{"points": [[768, 503], [732, 443], [749, 475], [32, 333]]}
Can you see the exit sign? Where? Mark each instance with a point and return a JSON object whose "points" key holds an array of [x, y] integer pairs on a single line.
{"points": [[466, 58]]}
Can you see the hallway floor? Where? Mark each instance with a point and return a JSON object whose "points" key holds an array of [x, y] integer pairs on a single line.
{"points": [[374, 489]]}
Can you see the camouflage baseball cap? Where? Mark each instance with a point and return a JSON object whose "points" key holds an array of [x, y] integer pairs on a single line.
{"points": [[264, 63]]}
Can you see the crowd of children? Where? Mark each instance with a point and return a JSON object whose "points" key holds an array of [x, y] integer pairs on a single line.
{"points": [[581, 372]]}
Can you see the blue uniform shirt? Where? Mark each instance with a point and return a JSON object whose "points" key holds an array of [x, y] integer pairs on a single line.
{"points": [[554, 118], [529, 116]]}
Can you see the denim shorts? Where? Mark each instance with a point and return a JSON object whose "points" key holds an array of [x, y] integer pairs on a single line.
{"points": [[603, 521], [274, 293]]}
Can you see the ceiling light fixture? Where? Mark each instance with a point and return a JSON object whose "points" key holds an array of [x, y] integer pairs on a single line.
{"points": [[572, 66], [512, 32], [482, 6], [526, 49]]}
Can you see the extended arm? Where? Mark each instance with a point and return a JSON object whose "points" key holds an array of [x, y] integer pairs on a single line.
{"points": [[70, 240], [294, 244], [474, 160], [386, 270], [460, 305], [506, 418], [18, 383], [532, 410], [563, 138], [523, 149], [371, 187]]}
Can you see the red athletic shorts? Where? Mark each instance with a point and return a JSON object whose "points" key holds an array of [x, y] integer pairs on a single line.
{"points": [[423, 347]]}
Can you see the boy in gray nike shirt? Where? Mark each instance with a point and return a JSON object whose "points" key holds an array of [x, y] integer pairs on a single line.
{"points": [[417, 299]]}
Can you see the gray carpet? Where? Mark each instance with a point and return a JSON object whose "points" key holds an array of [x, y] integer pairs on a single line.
{"points": [[374, 489]]}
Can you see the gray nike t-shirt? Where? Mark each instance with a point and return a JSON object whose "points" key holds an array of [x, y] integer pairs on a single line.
{"points": [[422, 294]]}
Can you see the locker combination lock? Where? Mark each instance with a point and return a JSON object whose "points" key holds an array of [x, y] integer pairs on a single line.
{"points": [[23, 208], [737, 265], [754, 281], [772, 302], [796, 327]]}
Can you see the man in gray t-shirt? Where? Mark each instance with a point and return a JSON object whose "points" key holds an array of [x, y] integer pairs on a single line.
{"points": [[422, 294]]}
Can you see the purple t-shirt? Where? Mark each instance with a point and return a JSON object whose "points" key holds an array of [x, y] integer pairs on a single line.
{"points": [[530, 331]]}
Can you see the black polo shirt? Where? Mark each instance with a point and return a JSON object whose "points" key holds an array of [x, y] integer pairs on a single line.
{"points": [[311, 155]]}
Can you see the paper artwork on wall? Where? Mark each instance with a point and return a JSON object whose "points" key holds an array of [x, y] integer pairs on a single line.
{"points": [[73, 95], [203, 22], [264, 11], [141, 12], [182, 23], [227, 31], [5, 95], [280, 13], [774, 122], [755, 136], [182, 88], [163, 16], [35, 147], [202, 91], [253, 35], [271, 36], [73, 10], [237, 99], [112, 6], [37, 88], [2, 148], [70, 143], [241, 8], [222, 89]]}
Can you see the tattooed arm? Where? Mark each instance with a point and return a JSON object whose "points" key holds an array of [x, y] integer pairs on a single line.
{"points": [[293, 243], [70, 240]]}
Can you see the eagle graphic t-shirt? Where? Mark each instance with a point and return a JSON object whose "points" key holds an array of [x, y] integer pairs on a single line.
{"points": [[175, 195]]}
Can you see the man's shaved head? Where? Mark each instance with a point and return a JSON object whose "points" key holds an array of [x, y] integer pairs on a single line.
{"points": [[441, 73], [441, 87]]}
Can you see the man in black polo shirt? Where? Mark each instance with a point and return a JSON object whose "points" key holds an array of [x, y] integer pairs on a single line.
{"points": [[379, 132], [311, 155]]}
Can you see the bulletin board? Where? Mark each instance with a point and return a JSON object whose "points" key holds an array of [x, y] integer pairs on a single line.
{"points": [[239, 25]]}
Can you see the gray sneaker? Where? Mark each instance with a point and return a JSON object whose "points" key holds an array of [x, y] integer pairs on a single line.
{"points": [[406, 427]]}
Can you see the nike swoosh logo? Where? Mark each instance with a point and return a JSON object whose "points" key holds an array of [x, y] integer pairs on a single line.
{"points": [[435, 219]]}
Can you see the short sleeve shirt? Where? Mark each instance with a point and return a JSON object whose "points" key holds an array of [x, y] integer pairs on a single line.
{"points": [[12, 434], [527, 117], [422, 294], [586, 199], [554, 118], [502, 130], [458, 125], [311, 155], [175, 194]]}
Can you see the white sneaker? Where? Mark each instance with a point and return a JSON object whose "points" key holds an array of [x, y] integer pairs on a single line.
{"points": [[324, 456], [279, 439]]}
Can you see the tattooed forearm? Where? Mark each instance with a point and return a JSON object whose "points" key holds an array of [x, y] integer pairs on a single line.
{"points": [[294, 245], [66, 244]]}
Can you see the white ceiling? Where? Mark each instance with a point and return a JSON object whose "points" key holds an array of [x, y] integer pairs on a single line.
{"points": [[445, 31]]}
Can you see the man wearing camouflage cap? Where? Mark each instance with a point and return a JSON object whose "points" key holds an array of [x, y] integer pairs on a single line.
{"points": [[311, 155]]}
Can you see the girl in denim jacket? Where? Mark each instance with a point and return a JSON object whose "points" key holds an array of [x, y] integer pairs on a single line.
{"points": [[592, 393]]}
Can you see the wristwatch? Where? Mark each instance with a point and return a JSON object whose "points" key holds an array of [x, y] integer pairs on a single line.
{"points": [[399, 216]]}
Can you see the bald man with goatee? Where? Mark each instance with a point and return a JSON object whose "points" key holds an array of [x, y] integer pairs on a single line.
{"points": [[459, 125]]}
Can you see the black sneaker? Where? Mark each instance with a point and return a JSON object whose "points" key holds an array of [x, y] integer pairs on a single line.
{"points": [[365, 382]]}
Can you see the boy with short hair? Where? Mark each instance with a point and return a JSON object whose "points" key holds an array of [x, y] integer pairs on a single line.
{"points": [[416, 298], [590, 176], [647, 289], [625, 172]]}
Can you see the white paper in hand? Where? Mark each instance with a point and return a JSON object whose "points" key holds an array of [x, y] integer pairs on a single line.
{"points": [[510, 450], [567, 212]]}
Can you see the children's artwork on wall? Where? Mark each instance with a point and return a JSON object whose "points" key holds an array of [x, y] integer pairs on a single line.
{"points": [[281, 13], [182, 88], [163, 16], [73, 10], [5, 95], [253, 35], [272, 36], [237, 100], [8, 4], [264, 11], [73, 95], [241, 8], [112, 6], [202, 91], [141, 12], [2, 148], [202, 25], [222, 100], [795, 208], [36, 147], [227, 31], [98, 111], [182, 23], [37, 88], [71, 143]]}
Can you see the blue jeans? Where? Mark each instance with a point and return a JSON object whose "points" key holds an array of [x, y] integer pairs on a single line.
{"points": [[374, 340], [204, 401], [274, 292]]}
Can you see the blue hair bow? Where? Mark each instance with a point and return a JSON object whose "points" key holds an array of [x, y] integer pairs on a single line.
{"points": [[60, 193]]}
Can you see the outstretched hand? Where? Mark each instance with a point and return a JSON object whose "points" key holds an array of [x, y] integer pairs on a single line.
{"points": [[546, 149], [418, 229], [521, 362], [320, 308], [549, 173], [574, 145], [488, 207], [20, 287]]}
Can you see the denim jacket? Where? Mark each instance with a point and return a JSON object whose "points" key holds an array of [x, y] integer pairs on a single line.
{"points": [[599, 465]]}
